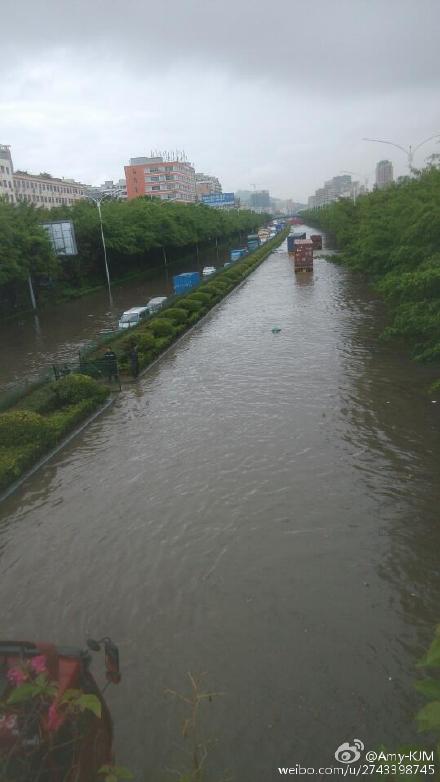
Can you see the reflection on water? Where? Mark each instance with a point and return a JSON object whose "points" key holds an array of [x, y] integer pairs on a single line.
{"points": [[260, 506]]}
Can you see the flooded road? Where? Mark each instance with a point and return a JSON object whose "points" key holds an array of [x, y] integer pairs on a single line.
{"points": [[262, 507], [31, 344]]}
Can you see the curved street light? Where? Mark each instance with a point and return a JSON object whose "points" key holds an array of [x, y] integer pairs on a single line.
{"points": [[409, 151], [97, 200]]}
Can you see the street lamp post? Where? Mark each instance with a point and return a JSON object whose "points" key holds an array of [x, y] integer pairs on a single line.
{"points": [[97, 201], [409, 151], [356, 173]]}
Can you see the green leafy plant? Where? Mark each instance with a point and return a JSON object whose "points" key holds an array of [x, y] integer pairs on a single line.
{"points": [[45, 724], [161, 327], [22, 427], [178, 314], [76, 388]]}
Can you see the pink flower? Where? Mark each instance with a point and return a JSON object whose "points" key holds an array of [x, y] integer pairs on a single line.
{"points": [[17, 676], [54, 719], [38, 664]]}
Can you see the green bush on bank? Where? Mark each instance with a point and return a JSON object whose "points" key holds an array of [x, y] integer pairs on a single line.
{"points": [[393, 236], [164, 342], [161, 327], [43, 418], [23, 427], [190, 304], [77, 388], [178, 314], [201, 296]]}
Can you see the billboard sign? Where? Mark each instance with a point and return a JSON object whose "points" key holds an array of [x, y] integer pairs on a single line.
{"points": [[62, 237], [219, 199]]}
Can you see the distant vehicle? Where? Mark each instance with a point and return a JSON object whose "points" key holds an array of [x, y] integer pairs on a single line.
{"points": [[208, 270], [228, 263], [253, 242], [156, 304], [186, 281], [303, 255], [317, 241], [133, 317]]}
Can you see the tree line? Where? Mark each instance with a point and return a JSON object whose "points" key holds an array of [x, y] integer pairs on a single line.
{"points": [[137, 232], [393, 236]]}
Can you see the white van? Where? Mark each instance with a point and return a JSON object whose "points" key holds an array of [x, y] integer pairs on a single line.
{"points": [[133, 317], [156, 304]]}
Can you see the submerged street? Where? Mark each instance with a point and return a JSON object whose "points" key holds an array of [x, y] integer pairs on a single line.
{"points": [[261, 507]]}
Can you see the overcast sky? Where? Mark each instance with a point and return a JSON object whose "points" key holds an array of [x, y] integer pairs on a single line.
{"points": [[276, 95]]}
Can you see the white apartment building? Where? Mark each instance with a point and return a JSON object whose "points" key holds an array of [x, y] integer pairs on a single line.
{"points": [[47, 191], [6, 174]]}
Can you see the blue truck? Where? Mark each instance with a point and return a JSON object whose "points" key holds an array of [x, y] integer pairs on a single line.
{"points": [[186, 281], [253, 242]]}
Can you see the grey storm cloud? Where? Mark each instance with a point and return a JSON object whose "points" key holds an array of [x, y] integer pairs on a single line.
{"points": [[275, 95], [343, 46]]}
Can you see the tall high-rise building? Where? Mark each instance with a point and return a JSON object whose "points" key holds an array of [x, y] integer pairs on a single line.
{"points": [[384, 173], [6, 174], [168, 177]]}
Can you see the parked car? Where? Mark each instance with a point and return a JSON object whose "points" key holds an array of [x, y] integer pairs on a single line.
{"points": [[208, 270], [133, 317], [156, 304]]}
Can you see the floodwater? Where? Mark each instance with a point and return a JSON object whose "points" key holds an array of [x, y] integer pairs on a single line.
{"points": [[30, 344], [261, 507]]}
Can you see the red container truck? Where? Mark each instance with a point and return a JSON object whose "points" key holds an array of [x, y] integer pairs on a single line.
{"points": [[303, 260], [317, 241]]}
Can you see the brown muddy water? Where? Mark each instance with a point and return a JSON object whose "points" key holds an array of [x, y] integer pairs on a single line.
{"points": [[262, 507], [30, 344]]}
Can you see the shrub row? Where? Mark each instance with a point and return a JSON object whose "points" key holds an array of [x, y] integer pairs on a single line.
{"points": [[42, 419]]}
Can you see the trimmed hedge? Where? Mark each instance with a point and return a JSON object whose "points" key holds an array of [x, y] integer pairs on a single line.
{"points": [[191, 305], [26, 435], [23, 427], [64, 421], [161, 327], [145, 341], [179, 315], [163, 342], [201, 296], [76, 388]]}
